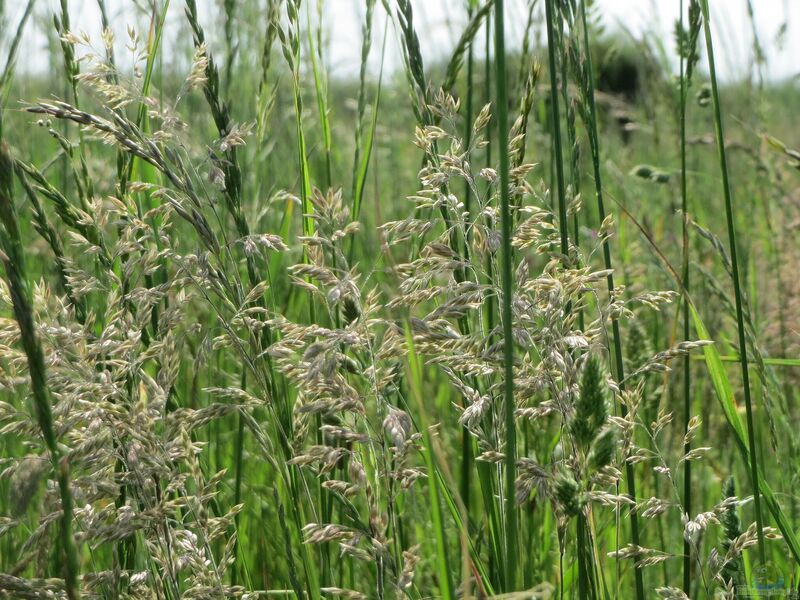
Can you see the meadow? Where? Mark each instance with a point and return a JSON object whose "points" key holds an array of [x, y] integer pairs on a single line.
{"points": [[519, 323]]}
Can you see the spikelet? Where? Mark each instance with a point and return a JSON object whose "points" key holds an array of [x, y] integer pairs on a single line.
{"points": [[590, 409]]}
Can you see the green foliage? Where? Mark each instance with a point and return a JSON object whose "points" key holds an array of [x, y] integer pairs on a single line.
{"points": [[254, 342]]}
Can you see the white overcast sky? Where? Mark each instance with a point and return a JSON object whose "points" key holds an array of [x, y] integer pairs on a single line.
{"points": [[440, 22]]}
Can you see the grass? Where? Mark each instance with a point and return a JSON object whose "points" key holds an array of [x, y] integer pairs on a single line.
{"points": [[737, 287], [507, 283], [687, 57], [19, 289], [272, 327]]}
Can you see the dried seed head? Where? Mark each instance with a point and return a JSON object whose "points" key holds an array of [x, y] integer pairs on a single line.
{"points": [[397, 426], [25, 483]]}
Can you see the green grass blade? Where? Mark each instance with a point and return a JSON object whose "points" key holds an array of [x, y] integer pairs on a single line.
{"points": [[362, 167], [724, 393], [321, 90], [415, 378], [737, 288]]}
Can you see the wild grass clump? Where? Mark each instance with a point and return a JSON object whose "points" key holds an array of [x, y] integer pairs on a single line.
{"points": [[267, 333]]}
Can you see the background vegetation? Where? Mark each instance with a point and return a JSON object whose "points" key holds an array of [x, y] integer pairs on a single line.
{"points": [[521, 323]]}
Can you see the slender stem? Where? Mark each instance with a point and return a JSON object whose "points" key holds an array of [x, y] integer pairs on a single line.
{"points": [[237, 487], [489, 308], [507, 282], [594, 144], [726, 188], [687, 407], [562, 205], [466, 437]]}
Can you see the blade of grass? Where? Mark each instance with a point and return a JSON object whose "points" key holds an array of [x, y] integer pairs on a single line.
{"points": [[290, 41], [776, 362], [684, 54], [368, 142], [359, 166], [415, 378], [726, 188], [321, 89], [724, 393]]}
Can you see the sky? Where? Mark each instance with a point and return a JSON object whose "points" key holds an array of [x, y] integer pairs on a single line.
{"points": [[440, 22]]}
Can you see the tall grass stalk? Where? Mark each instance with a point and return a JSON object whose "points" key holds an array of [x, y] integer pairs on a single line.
{"points": [[231, 46], [552, 41], [72, 69], [687, 370], [359, 172], [490, 308], [594, 144], [128, 165], [508, 295], [230, 165], [686, 53], [126, 162], [237, 485], [321, 90], [13, 258], [466, 437], [445, 569], [290, 41], [737, 291]]}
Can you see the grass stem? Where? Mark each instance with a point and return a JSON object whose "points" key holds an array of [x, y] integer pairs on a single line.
{"points": [[594, 143], [737, 290], [508, 293]]}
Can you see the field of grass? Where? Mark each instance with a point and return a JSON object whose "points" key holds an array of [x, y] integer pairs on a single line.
{"points": [[503, 325]]}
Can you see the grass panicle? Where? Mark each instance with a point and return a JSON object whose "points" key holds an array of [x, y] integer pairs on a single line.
{"points": [[279, 320]]}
